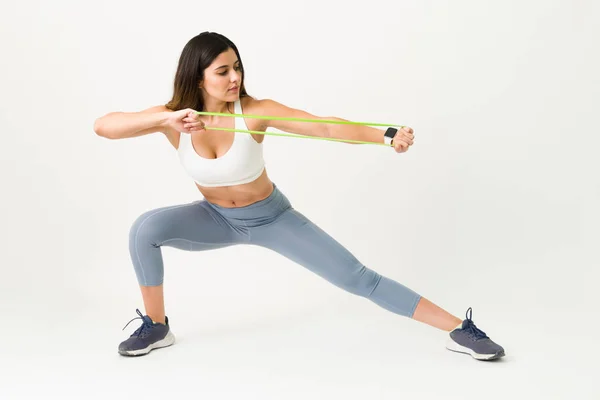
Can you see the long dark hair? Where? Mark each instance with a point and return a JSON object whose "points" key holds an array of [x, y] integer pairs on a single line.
{"points": [[197, 55]]}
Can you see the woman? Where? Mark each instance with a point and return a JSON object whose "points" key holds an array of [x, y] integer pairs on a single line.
{"points": [[241, 204]]}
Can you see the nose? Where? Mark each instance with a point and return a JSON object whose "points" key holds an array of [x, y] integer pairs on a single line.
{"points": [[235, 76]]}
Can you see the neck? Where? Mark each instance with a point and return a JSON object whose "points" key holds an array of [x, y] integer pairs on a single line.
{"points": [[216, 106]]}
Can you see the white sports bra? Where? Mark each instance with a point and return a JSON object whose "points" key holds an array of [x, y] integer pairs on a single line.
{"points": [[242, 163]]}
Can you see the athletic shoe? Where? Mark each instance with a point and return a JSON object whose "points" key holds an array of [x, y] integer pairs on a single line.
{"points": [[469, 339], [150, 335]]}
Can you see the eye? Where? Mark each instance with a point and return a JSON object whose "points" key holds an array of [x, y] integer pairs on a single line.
{"points": [[237, 68]]}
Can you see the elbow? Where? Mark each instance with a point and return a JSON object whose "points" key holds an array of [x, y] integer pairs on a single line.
{"points": [[100, 128]]}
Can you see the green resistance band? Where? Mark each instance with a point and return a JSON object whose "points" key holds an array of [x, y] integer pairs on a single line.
{"points": [[298, 120]]}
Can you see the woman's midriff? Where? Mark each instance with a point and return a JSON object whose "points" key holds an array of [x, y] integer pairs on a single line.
{"points": [[239, 195]]}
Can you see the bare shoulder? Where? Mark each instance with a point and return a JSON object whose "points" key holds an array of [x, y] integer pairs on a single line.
{"points": [[171, 134], [269, 107], [264, 107], [257, 106], [249, 104]]}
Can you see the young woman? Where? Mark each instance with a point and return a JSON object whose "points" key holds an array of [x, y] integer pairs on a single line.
{"points": [[241, 204]]}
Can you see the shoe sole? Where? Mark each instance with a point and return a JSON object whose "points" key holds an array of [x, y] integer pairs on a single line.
{"points": [[453, 346], [167, 341]]}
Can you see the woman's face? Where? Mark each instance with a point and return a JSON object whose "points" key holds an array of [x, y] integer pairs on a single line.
{"points": [[223, 78]]}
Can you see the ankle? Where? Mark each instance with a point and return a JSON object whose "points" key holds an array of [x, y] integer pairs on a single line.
{"points": [[157, 319], [458, 326]]}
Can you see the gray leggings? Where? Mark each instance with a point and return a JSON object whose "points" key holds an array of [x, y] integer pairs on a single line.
{"points": [[271, 223]]}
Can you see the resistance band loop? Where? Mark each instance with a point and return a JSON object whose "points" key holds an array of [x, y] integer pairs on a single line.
{"points": [[299, 120]]}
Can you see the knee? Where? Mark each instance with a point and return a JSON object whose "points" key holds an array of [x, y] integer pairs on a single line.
{"points": [[145, 228], [361, 282]]}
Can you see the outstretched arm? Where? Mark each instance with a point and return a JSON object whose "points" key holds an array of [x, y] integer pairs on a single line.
{"points": [[403, 138]]}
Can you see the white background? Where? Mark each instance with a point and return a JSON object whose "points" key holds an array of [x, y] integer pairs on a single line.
{"points": [[494, 207]]}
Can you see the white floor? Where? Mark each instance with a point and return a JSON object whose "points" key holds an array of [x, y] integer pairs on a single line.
{"points": [[345, 350]]}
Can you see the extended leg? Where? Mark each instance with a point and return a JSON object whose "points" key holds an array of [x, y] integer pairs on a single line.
{"points": [[300, 240], [297, 238]]}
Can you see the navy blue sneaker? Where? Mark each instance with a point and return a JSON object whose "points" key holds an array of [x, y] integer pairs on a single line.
{"points": [[150, 335], [471, 340]]}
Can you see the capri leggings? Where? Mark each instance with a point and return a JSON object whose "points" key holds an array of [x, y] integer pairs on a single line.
{"points": [[271, 223]]}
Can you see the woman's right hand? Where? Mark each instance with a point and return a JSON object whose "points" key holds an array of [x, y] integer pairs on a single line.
{"points": [[186, 120]]}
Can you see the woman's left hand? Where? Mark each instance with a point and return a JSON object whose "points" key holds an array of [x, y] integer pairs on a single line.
{"points": [[403, 139]]}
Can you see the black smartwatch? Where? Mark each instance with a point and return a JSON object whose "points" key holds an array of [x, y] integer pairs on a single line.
{"points": [[389, 134]]}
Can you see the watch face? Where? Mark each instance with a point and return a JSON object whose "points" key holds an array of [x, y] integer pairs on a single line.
{"points": [[391, 132]]}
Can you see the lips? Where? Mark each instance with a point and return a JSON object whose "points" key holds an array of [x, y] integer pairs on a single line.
{"points": [[234, 88]]}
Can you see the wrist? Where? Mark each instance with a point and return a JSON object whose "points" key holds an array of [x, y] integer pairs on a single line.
{"points": [[388, 136], [162, 119]]}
